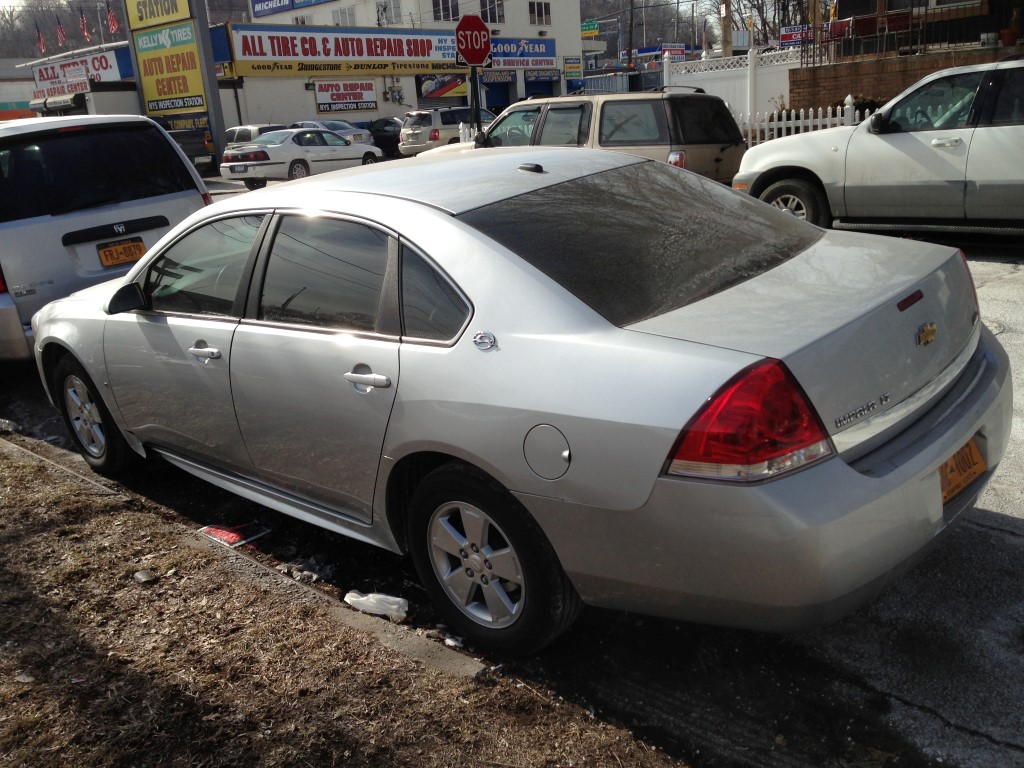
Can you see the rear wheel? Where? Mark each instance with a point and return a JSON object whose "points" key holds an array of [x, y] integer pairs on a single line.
{"points": [[369, 158], [801, 198], [255, 183], [298, 170], [486, 564], [87, 419]]}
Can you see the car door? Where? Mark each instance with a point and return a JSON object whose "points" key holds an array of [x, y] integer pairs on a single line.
{"points": [[318, 156], [314, 368], [995, 165], [917, 168], [345, 153], [168, 365]]}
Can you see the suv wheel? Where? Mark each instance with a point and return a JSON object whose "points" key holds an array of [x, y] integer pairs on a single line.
{"points": [[801, 198]]}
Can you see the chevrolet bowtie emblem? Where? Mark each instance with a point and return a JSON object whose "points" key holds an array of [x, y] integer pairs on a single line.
{"points": [[926, 334]]}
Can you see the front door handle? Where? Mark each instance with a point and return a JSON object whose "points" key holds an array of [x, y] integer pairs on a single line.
{"points": [[369, 379], [952, 142]]}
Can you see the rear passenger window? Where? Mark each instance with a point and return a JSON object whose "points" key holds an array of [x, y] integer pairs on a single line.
{"points": [[566, 126], [628, 123], [1009, 109], [431, 308], [201, 273], [53, 173], [325, 272]]}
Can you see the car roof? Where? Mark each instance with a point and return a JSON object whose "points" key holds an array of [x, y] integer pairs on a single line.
{"points": [[31, 124], [456, 182]]}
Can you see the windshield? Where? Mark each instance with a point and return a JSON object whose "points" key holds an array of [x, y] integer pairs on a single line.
{"points": [[645, 239], [274, 137]]}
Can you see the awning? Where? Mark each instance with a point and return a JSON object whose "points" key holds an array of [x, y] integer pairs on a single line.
{"points": [[37, 105], [70, 101]]}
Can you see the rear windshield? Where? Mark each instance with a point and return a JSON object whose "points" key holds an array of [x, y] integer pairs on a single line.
{"points": [[705, 121], [642, 240], [59, 171], [422, 120]]}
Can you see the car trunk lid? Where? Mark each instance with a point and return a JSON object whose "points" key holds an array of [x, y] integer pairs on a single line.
{"points": [[861, 324]]}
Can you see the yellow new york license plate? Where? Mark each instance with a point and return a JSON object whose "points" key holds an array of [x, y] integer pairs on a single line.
{"points": [[960, 469], [121, 251]]}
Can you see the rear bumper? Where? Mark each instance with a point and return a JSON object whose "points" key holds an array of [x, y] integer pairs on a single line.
{"points": [[792, 553], [16, 339]]}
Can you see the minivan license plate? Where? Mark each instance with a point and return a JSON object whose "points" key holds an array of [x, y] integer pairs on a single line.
{"points": [[960, 469], [121, 251]]}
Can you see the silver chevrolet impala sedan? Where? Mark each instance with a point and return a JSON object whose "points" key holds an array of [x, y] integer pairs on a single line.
{"points": [[553, 378]]}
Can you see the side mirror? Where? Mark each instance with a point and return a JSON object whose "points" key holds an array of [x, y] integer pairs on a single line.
{"points": [[125, 299], [878, 123], [480, 140]]}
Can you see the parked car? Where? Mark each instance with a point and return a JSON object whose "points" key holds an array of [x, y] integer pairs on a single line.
{"points": [[686, 128], [549, 392], [197, 144], [387, 132], [243, 134], [425, 129], [942, 153], [340, 127], [70, 217], [293, 153]]}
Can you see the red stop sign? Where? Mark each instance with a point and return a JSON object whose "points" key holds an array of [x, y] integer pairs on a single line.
{"points": [[473, 41]]}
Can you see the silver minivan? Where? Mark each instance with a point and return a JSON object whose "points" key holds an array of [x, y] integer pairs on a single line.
{"points": [[81, 199]]}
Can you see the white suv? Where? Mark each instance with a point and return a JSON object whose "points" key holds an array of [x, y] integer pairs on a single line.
{"points": [[81, 199], [945, 153], [425, 129]]}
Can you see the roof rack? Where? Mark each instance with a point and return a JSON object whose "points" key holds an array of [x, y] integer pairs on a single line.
{"points": [[694, 88]]}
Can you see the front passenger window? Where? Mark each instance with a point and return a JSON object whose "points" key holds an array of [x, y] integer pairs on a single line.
{"points": [[201, 273]]}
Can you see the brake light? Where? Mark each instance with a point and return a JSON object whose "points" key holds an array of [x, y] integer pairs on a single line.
{"points": [[246, 157], [677, 158], [3, 283], [757, 426], [435, 134]]}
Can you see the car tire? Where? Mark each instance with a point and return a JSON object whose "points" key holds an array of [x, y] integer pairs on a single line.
{"points": [[253, 184], [369, 158], [87, 419], [486, 564], [298, 170], [800, 198]]}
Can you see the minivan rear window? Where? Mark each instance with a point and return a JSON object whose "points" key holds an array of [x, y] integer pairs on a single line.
{"points": [[644, 239], [59, 171]]}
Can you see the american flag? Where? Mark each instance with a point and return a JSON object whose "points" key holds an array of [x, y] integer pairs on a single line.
{"points": [[84, 25], [62, 36], [39, 40], [112, 24]]}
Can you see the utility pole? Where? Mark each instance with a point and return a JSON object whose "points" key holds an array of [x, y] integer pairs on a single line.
{"points": [[726, 28], [629, 43]]}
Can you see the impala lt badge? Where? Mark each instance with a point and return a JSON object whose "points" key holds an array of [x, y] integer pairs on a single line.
{"points": [[926, 334], [862, 411]]}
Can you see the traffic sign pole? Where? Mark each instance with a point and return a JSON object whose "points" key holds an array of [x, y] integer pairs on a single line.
{"points": [[474, 98]]}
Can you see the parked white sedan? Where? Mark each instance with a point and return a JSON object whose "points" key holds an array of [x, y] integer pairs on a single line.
{"points": [[293, 153]]}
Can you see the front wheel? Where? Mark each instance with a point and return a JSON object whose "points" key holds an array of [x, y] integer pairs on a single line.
{"points": [[487, 566], [254, 184], [369, 158], [800, 198], [87, 419], [298, 170]]}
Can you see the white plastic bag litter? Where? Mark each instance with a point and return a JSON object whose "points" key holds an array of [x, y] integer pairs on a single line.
{"points": [[395, 608]]}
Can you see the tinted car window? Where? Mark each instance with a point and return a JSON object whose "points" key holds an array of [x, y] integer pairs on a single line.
{"points": [[51, 173], [705, 121], [325, 272], [1009, 108], [418, 121], [610, 239], [431, 307], [201, 272]]}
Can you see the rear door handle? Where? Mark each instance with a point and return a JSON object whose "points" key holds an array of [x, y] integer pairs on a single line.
{"points": [[953, 142], [210, 353], [369, 379]]}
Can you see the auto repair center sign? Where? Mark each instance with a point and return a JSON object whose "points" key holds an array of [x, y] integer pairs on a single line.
{"points": [[73, 75], [334, 96]]}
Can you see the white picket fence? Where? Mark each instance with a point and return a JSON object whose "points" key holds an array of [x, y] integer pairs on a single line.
{"points": [[763, 126]]}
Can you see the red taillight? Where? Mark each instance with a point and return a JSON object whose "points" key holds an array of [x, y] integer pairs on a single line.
{"points": [[757, 426], [207, 198], [435, 135], [3, 283], [246, 157], [677, 158]]}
